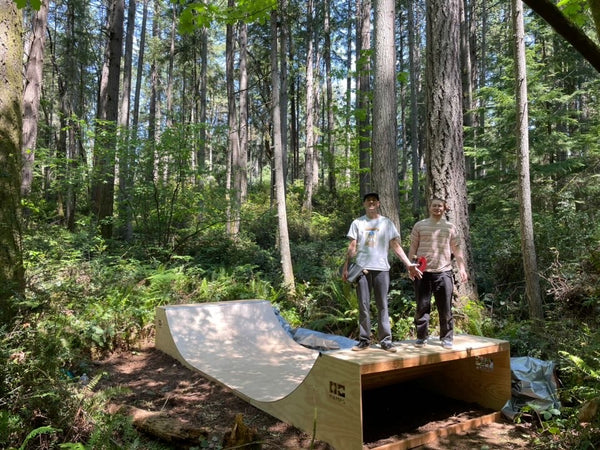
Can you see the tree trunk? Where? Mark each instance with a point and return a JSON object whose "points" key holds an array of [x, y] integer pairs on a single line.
{"points": [[363, 88], [284, 239], [12, 274], [467, 85], [532, 278], [414, 65], [283, 87], [233, 139], [125, 177], [329, 96], [103, 186], [348, 127], [385, 154], [444, 157], [31, 95], [154, 107], [68, 145], [203, 98], [309, 153], [242, 163], [139, 71]]}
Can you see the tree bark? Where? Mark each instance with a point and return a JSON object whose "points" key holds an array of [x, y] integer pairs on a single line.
{"points": [[309, 153], [31, 95], [125, 177], [329, 97], [363, 88], [242, 162], [103, 186], [532, 278], [233, 139], [414, 64], [385, 154], [284, 239], [166, 428], [444, 157], [139, 70], [12, 273], [203, 99]]}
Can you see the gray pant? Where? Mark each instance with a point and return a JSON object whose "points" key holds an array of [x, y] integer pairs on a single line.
{"points": [[379, 282]]}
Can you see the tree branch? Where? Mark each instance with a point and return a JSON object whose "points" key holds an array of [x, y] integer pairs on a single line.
{"points": [[548, 11]]}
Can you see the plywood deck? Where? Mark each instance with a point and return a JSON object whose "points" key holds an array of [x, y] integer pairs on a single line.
{"points": [[242, 345]]}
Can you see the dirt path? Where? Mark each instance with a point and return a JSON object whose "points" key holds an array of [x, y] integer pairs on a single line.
{"points": [[156, 382]]}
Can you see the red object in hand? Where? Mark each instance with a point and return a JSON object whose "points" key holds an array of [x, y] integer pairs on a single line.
{"points": [[422, 263]]}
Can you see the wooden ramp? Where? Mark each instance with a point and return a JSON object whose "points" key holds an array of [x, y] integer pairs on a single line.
{"points": [[242, 345]]}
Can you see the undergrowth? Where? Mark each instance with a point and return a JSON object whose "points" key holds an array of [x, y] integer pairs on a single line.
{"points": [[87, 298]]}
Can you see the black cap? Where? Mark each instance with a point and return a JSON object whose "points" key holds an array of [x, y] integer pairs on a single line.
{"points": [[371, 194]]}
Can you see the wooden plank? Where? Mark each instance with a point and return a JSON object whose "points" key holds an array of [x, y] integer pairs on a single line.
{"points": [[434, 435]]}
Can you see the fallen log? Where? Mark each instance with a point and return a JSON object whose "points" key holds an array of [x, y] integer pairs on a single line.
{"points": [[164, 427]]}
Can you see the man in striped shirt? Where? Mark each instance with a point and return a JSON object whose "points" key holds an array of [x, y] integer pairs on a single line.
{"points": [[436, 240]]}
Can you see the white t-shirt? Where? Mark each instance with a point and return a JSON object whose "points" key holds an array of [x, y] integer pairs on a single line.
{"points": [[373, 238]]}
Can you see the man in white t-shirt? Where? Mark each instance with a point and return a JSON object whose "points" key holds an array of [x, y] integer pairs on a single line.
{"points": [[371, 236]]}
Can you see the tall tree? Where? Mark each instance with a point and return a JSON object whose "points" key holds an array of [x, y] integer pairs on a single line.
{"points": [[414, 71], [125, 175], [363, 88], [233, 139], [532, 278], [329, 95], [103, 185], [310, 151], [444, 157], [284, 40], [282, 229], [385, 154], [241, 181], [202, 100], [139, 71], [31, 96], [12, 274]]}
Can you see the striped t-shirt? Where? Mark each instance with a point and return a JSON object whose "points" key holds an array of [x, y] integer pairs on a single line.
{"points": [[434, 241]]}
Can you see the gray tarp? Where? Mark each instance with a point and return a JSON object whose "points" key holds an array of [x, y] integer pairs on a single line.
{"points": [[533, 384], [315, 339]]}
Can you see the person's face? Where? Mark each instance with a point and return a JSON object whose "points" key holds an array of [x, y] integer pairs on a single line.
{"points": [[371, 203], [437, 208]]}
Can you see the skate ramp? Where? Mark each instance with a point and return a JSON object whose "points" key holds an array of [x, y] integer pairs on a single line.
{"points": [[240, 344]]}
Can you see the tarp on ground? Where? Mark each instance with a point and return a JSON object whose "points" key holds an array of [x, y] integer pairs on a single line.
{"points": [[532, 384]]}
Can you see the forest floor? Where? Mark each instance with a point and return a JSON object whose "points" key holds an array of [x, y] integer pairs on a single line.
{"points": [[154, 381]]}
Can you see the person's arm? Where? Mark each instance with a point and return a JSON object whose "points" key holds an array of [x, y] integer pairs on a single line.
{"points": [[460, 261], [412, 251], [399, 251], [350, 253]]}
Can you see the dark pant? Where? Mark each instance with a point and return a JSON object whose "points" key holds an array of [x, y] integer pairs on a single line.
{"points": [[380, 283], [441, 286]]}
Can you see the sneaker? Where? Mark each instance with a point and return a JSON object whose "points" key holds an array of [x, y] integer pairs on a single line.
{"points": [[362, 345], [388, 347], [446, 343], [420, 342]]}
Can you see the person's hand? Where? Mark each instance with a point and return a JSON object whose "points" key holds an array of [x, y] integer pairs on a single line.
{"points": [[414, 272]]}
